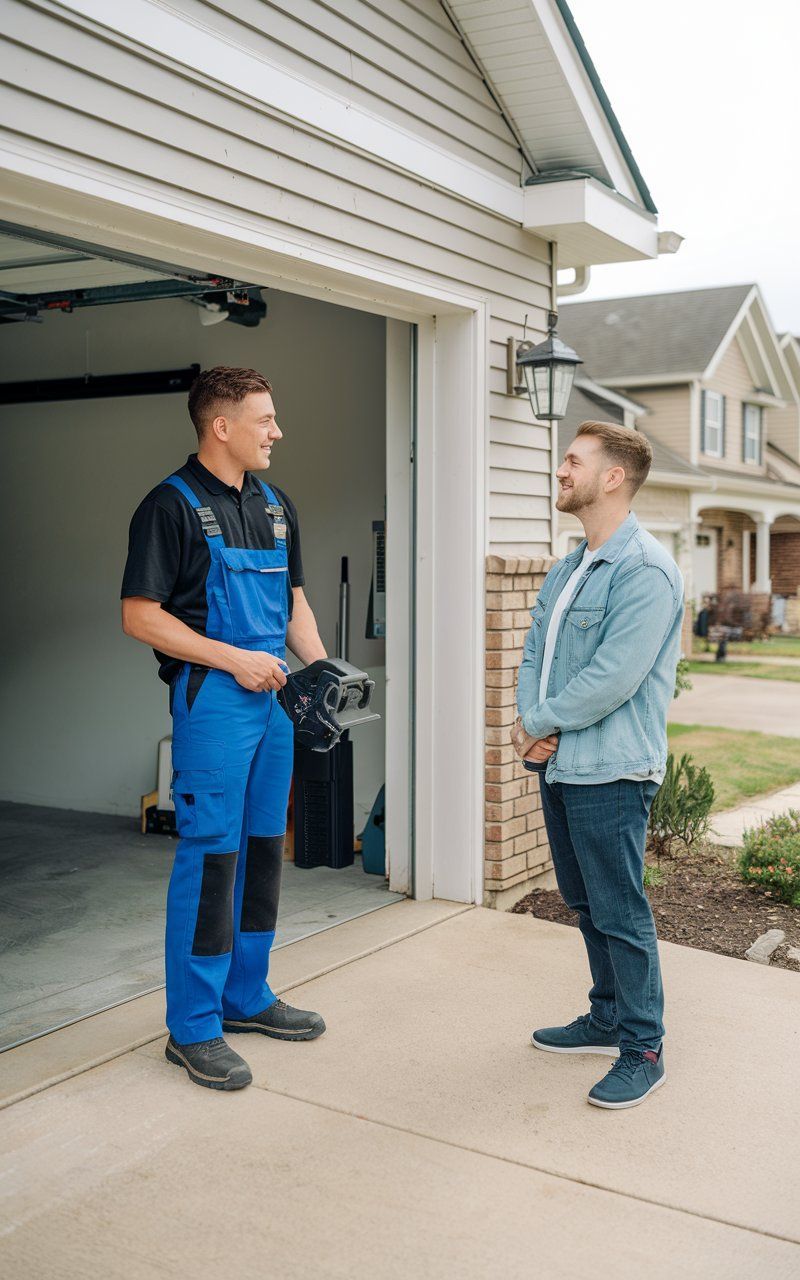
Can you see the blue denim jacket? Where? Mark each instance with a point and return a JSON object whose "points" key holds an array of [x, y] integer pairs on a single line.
{"points": [[613, 673]]}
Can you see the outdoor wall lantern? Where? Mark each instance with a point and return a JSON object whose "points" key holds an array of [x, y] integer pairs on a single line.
{"points": [[545, 370]]}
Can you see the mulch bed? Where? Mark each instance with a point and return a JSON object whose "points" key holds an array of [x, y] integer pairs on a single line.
{"points": [[701, 903]]}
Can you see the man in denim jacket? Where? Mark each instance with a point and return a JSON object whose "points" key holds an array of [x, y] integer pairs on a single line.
{"points": [[595, 685]]}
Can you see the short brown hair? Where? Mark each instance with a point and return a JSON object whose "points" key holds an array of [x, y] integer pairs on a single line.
{"points": [[625, 447], [213, 388]]}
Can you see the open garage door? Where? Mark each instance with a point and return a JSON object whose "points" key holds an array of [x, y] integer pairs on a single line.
{"points": [[96, 355]]}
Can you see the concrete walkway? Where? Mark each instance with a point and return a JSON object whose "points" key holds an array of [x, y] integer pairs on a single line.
{"points": [[423, 1136], [729, 827], [741, 702]]}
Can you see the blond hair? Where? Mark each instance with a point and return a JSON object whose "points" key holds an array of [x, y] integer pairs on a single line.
{"points": [[624, 447]]}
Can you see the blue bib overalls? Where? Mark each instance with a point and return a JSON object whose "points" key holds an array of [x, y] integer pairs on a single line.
{"points": [[232, 753]]}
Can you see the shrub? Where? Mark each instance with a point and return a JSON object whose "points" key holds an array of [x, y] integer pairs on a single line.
{"points": [[771, 856], [682, 807], [682, 680]]}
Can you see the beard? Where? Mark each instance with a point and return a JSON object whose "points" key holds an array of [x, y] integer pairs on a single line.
{"points": [[578, 498]]}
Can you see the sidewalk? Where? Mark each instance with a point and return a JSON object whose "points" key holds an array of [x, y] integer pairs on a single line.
{"points": [[741, 702], [728, 827], [423, 1137]]}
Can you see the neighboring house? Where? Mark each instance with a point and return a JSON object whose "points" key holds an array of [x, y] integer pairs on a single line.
{"points": [[718, 390], [401, 182]]}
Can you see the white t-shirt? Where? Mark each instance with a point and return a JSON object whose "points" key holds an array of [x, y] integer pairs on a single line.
{"points": [[561, 605], [567, 592]]}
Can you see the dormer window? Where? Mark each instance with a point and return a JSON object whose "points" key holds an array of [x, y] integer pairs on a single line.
{"points": [[713, 424], [751, 433]]}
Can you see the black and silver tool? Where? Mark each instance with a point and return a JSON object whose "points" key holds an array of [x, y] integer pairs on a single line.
{"points": [[324, 700]]}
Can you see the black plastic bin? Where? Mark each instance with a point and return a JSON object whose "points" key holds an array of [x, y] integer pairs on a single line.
{"points": [[324, 823]]}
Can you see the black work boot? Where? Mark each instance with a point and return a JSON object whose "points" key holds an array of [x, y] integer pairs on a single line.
{"points": [[281, 1021], [210, 1063]]}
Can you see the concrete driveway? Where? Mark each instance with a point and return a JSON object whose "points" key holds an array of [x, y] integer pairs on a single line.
{"points": [[740, 702], [423, 1136]]}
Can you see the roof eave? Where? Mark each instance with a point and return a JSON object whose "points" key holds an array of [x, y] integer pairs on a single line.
{"points": [[591, 223]]}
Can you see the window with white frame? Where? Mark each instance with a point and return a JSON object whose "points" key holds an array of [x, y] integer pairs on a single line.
{"points": [[713, 424], [751, 430]]}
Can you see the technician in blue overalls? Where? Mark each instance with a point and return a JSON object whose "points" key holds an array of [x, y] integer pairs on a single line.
{"points": [[214, 582]]}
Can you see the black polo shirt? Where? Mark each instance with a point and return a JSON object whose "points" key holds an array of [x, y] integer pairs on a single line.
{"points": [[168, 557]]}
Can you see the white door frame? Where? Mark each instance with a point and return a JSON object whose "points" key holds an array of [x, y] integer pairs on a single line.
{"points": [[451, 470]]}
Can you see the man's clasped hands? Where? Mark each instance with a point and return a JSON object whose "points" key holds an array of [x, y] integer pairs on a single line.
{"points": [[537, 750]]}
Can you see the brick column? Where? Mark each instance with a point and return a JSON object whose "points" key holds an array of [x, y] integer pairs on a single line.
{"points": [[516, 850]]}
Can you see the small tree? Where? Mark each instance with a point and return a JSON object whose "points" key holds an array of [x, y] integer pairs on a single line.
{"points": [[682, 807]]}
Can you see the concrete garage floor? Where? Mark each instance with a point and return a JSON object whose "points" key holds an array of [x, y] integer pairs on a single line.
{"points": [[82, 913], [423, 1136]]}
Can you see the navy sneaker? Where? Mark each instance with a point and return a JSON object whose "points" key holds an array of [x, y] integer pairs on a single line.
{"points": [[632, 1078], [280, 1021], [580, 1036]]}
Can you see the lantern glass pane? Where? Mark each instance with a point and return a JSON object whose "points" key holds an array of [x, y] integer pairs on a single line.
{"points": [[562, 385]]}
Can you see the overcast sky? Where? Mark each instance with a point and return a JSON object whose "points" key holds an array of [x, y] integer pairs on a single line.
{"points": [[707, 94]]}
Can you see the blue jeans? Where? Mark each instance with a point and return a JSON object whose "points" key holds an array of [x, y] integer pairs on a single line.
{"points": [[597, 838]]}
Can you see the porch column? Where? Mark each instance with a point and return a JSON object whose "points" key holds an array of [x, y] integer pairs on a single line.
{"points": [[763, 582], [745, 559]]}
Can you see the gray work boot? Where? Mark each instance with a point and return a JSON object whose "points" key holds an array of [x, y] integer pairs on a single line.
{"points": [[210, 1063], [281, 1021]]}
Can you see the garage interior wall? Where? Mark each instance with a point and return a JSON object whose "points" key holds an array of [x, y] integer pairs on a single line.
{"points": [[82, 707]]}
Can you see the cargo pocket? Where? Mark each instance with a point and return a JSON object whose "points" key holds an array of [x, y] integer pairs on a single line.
{"points": [[198, 790]]}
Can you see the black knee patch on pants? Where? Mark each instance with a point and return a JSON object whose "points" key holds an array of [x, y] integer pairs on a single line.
{"points": [[262, 883], [213, 932]]}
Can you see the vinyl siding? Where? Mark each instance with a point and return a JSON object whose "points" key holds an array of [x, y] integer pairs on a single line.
{"points": [[733, 379], [669, 416], [783, 429], [656, 505], [91, 97]]}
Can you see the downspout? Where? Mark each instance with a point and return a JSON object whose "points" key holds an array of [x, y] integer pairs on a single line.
{"points": [[553, 425]]}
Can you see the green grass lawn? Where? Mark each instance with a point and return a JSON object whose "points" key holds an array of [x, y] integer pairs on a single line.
{"points": [[775, 646], [760, 670], [741, 764]]}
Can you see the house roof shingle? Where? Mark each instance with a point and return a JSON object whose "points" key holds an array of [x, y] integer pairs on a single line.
{"points": [[657, 335]]}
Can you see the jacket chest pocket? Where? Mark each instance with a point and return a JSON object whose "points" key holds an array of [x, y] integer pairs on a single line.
{"points": [[581, 636]]}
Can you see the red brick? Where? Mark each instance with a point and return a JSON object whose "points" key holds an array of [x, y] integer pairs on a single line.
{"points": [[501, 697], [501, 717], [506, 868], [501, 811], [501, 679], [505, 830], [525, 842]]}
